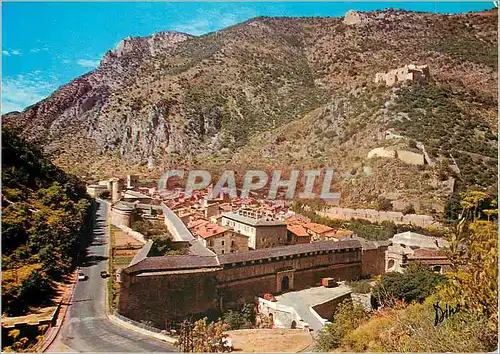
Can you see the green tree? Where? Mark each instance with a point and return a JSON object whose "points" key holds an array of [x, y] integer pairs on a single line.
{"points": [[348, 316], [452, 208], [475, 204], [44, 222], [244, 318], [414, 284], [409, 209], [384, 204], [474, 280], [204, 337]]}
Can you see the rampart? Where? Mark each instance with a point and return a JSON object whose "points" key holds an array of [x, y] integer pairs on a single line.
{"points": [[174, 287], [376, 216]]}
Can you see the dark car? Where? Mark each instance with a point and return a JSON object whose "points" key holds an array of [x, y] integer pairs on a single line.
{"points": [[104, 274]]}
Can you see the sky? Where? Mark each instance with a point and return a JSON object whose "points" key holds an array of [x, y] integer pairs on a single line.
{"points": [[46, 45]]}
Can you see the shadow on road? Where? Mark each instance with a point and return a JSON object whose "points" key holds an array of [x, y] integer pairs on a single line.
{"points": [[93, 260]]}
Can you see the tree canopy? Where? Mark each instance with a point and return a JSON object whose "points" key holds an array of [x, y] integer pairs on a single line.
{"points": [[45, 214]]}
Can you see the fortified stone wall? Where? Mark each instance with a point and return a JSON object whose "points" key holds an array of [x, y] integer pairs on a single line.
{"points": [[373, 261], [408, 157], [375, 216], [327, 309], [167, 296], [297, 263], [408, 72], [120, 217], [136, 235], [173, 295]]}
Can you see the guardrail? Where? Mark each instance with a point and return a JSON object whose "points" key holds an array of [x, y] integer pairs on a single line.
{"points": [[137, 324]]}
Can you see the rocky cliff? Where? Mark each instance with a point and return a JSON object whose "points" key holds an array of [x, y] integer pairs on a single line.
{"points": [[287, 90]]}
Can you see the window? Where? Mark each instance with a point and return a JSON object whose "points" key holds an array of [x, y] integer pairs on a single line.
{"points": [[222, 243], [222, 251]]}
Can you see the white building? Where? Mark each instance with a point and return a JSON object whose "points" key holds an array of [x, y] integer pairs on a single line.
{"points": [[405, 244]]}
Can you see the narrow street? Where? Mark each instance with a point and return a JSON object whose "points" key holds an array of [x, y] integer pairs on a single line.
{"points": [[86, 327]]}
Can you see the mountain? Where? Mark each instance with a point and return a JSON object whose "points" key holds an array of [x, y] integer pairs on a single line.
{"points": [[283, 92]]}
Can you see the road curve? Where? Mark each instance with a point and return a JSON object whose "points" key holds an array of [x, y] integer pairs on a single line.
{"points": [[87, 328]]}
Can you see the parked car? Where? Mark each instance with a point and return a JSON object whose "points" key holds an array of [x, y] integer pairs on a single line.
{"points": [[104, 274], [82, 276]]}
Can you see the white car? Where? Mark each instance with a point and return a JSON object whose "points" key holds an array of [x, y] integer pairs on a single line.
{"points": [[82, 276]]}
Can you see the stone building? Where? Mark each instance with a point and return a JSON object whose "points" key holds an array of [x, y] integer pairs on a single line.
{"points": [[115, 189], [409, 245], [121, 214], [318, 231], [262, 232], [95, 190], [297, 234], [211, 209], [373, 258], [174, 287], [132, 181], [417, 73], [220, 239], [133, 196], [434, 259]]}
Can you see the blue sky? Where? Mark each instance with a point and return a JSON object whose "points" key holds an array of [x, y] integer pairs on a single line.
{"points": [[45, 45]]}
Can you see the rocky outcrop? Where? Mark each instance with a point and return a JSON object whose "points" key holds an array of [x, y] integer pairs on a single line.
{"points": [[185, 98], [355, 18], [138, 47]]}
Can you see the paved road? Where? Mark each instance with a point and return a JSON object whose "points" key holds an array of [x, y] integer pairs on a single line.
{"points": [[86, 328], [293, 299]]}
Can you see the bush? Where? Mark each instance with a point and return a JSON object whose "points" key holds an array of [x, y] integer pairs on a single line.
{"points": [[242, 319], [414, 284], [347, 317], [384, 204], [409, 209], [363, 286], [412, 330]]}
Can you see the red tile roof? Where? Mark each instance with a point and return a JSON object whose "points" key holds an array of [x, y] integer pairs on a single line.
{"points": [[225, 207], [297, 230], [317, 228], [208, 230], [196, 223]]}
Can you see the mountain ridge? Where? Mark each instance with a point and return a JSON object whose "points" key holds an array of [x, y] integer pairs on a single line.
{"points": [[201, 101]]}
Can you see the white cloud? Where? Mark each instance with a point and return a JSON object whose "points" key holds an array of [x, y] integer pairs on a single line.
{"points": [[209, 21], [195, 27], [87, 63], [11, 52], [24, 90], [38, 50]]}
